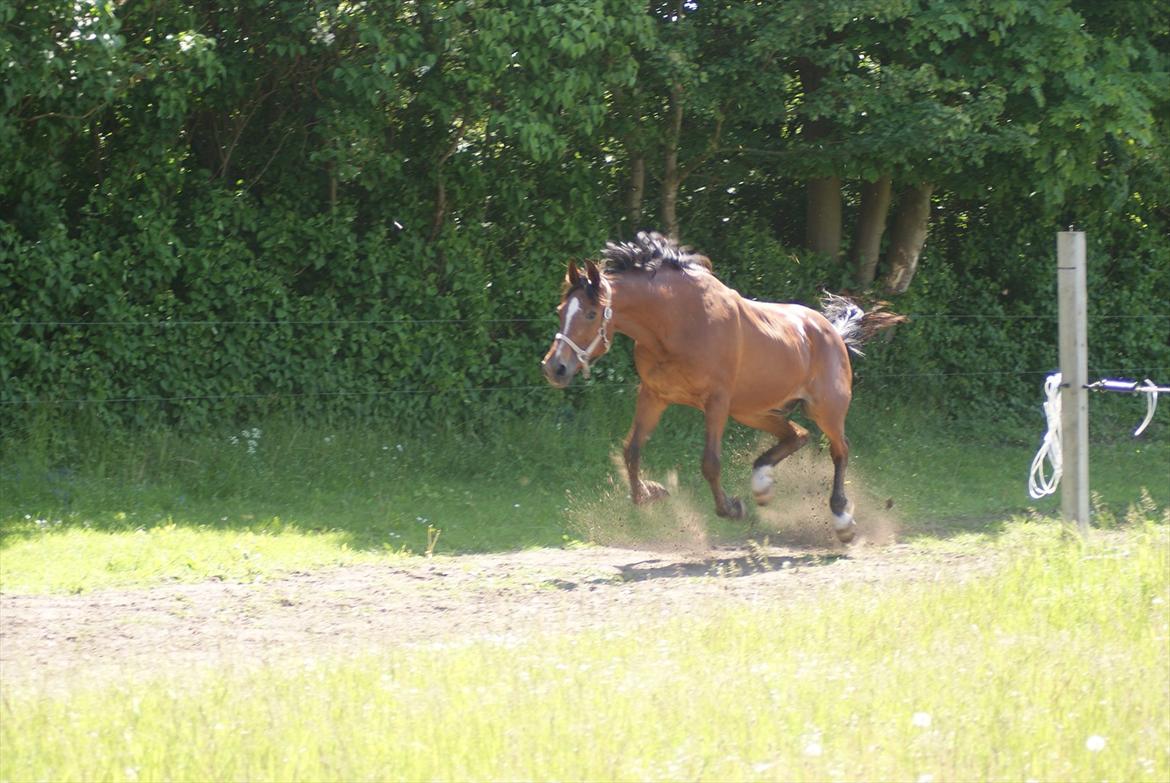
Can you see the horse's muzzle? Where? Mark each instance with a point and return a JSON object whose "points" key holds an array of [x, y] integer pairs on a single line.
{"points": [[556, 372]]}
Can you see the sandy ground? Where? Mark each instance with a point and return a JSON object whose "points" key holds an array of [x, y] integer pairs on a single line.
{"points": [[340, 611]]}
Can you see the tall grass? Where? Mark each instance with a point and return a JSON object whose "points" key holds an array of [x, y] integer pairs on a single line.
{"points": [[1053, 668]]}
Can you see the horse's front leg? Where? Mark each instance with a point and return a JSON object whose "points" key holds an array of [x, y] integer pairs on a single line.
{"points": [[647, 412], [716, 414]]}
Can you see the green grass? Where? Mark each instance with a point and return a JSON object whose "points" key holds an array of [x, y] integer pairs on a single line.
{"points": [[1018, 672], [107, 508], [1052, 668], [124, 510], [945, 480]]}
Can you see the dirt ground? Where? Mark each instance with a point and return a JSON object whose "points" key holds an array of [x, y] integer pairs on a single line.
{"points": [[446, 599]]}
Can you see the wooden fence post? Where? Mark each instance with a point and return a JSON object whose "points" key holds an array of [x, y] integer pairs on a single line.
{"points": [[1074, 362]]}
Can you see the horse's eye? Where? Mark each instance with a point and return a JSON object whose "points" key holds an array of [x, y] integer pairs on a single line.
{"points": [[591, 314]]}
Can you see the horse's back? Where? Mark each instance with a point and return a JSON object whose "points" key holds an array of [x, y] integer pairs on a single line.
{"points": [[712, 341]]}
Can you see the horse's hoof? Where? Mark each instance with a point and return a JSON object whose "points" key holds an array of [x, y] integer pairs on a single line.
{"points": [[651, 491], [763, 486], [733, 509], [845, 527]]}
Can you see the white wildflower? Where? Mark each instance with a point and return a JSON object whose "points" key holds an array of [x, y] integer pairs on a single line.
{"points": [[921, 720], [1095, 743]]}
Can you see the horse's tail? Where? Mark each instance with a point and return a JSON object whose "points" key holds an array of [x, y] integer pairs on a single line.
{"points": [[856, 326]]}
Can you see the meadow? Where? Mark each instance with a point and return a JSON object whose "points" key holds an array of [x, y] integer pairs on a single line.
{"points": [[101, 508], [1053, 668], [1050, 663]]}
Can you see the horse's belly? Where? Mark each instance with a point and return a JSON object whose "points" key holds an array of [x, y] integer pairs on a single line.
{"points": [[765, 395], [675, 382], [769, 380]]}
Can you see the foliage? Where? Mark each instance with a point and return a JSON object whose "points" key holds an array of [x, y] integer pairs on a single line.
{"points": [[217, 212]]}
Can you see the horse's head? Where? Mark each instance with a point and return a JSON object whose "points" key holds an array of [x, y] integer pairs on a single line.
{"points": [[585, 333]]}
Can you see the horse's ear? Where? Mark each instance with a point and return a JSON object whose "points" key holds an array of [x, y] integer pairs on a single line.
{"points": [[594, 275], [573, 277]]}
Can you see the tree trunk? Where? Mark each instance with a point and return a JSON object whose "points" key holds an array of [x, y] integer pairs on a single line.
{"points": [[439, 214], [635, 193], [907, 237], [823, 222], [671, 179], [822, 233], [871, 225], [670, 206], [673, 174]]}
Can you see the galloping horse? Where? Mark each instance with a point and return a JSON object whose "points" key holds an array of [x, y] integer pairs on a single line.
{"points": [[699, 343]]}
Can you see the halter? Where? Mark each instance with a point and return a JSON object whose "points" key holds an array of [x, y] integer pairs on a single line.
{"points": [[583, 354]]}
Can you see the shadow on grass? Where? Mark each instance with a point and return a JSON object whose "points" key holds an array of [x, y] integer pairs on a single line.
{"points": [[525, 484], [370, 489]]}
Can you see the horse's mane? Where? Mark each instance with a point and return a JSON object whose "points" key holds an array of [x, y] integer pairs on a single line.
{"points": [[649, 252]]}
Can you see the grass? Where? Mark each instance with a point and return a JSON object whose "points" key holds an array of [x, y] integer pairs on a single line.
{"points": [[135, 510], [1052, 668], [946, 480], [108, 509]]}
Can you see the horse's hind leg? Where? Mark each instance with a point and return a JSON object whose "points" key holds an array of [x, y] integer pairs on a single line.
{"points": [[831, 419], [789, 438]]}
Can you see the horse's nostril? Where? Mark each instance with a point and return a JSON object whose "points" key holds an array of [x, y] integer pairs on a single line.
{"points": [[561, 369]]}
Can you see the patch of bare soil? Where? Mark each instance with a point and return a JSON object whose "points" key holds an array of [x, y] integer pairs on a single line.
{"points": [[338, 611]]}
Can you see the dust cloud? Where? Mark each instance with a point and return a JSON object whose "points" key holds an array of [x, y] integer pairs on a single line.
{"points": [[799, 514], [797, 517]]}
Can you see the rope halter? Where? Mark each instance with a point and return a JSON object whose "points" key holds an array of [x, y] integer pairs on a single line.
{"points": [[601, 338]]}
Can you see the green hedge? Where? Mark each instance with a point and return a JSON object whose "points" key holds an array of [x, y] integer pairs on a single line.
{"points": [[237, 316], [207, 218]]}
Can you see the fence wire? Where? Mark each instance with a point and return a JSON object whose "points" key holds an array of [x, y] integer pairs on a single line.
{"points": [[465, 321], [861, 376]]}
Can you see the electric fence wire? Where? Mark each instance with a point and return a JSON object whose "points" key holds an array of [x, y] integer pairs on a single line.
{"points": [[163, 324], [862, 376], [466, 390]]}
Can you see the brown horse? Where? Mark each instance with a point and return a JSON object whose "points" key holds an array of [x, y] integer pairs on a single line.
{"points": [[699, 343]]}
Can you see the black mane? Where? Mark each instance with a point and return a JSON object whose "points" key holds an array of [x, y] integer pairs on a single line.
{"points": [[649, 252]]}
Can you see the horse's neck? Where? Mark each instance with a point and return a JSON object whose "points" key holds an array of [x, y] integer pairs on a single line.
{"points": [[639, 310]]}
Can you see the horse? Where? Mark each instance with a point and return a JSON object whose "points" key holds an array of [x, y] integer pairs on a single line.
{"points": [[699, 343]]}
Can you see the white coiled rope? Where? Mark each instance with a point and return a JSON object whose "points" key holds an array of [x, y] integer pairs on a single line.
{"points": [[1040, 482]]}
